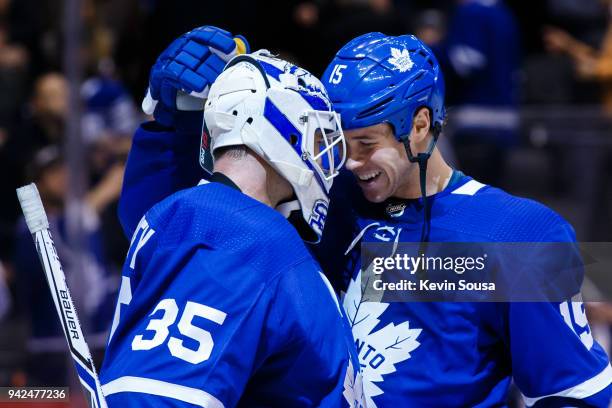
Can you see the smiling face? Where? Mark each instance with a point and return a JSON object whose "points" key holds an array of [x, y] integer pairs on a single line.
{"points": [[378, 161]]}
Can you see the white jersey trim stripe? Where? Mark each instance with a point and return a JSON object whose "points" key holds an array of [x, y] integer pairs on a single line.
{"points": [[331, 291], [470, 188], [163, 389], [590, 387]]}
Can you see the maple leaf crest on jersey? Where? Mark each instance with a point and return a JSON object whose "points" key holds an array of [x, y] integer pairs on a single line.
{"points": [[378, 350]]}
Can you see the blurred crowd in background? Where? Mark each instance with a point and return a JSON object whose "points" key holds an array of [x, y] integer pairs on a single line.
{"points": [[529, 91]]}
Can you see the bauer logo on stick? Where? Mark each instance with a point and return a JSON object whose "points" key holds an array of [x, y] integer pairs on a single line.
{"points": [[38, 224]]}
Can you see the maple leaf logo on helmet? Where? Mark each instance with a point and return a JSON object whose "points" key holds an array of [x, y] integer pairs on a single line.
{"points": [[401, 60]]}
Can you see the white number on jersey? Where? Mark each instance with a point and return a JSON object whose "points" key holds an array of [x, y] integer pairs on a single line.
{"points": [[162, 324], [141, 236], [159, 326], [336, 75], [577, 320], [202, 353], [125, 297]]}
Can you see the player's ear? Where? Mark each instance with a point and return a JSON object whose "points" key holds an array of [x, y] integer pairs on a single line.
{"points": [[421, 125]]}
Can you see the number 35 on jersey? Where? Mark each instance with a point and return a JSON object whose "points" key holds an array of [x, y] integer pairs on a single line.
{"points": [[166, 314]]}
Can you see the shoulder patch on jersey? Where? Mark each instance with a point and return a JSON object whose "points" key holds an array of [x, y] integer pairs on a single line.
{"points": [[470, 188]]}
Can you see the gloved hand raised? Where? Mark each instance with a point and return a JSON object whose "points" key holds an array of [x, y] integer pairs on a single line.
{"points": [[182, 75]]}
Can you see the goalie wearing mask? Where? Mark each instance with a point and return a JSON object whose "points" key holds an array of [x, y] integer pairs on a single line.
{"points": [[218, 297]]}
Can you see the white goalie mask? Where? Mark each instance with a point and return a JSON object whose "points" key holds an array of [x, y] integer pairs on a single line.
{"points": [[283, 114]]}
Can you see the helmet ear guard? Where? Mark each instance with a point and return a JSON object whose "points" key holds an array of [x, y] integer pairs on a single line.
{"points": [[435, 129], [282, 113]]}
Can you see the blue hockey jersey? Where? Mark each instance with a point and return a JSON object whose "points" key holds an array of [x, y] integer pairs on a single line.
{"points": [[429, 354], [222, 305], [435, 354]]}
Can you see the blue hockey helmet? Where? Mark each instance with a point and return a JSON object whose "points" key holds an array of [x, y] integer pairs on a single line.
{"points": [[378, 78]]}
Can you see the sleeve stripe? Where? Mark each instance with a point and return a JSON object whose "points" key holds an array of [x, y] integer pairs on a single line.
{"points": [[586, 389], [163, 389]]}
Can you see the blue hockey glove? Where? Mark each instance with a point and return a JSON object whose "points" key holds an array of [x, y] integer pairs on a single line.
{"points": [[182, 75]]}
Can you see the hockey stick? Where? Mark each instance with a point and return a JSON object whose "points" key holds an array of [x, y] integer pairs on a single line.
{"points": [[37, 222]]}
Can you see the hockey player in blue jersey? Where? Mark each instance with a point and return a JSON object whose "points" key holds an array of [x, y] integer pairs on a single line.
{"points": [[430, 354], [221, 304], [390, 94]]}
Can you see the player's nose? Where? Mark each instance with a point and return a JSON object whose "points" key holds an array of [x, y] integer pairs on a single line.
{"points": [[352, 164]]}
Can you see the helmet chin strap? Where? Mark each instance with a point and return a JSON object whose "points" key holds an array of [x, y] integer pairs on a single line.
{"points": [[421, 159]]}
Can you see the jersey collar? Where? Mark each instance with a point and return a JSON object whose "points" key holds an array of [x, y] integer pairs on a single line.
{"points": [[220, 178], [410, 209]]}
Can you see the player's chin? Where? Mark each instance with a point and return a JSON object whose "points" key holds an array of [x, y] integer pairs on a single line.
{"points": [[377, 191]]}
